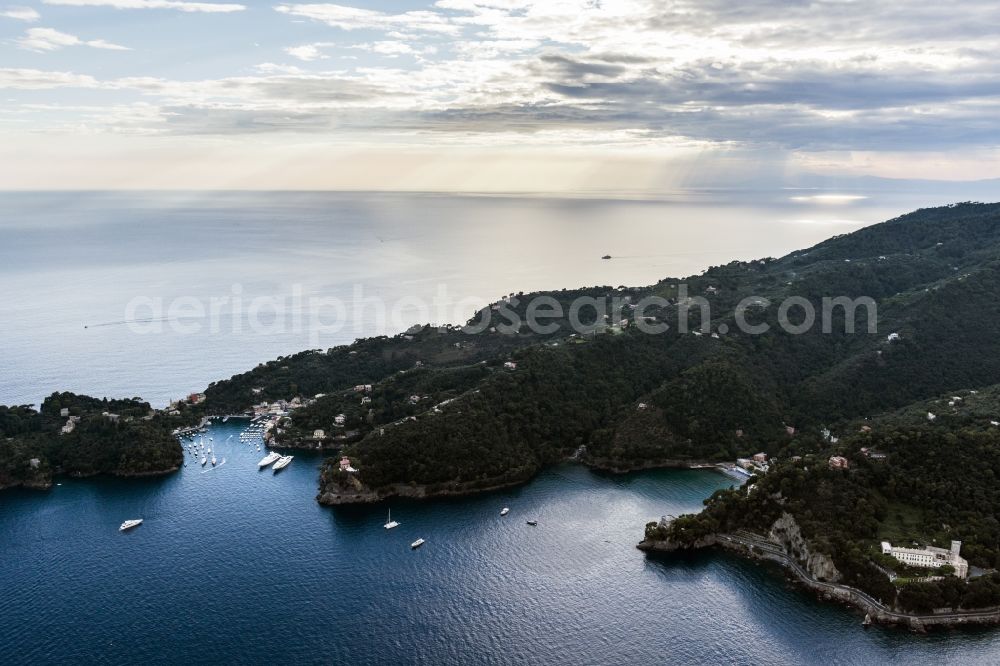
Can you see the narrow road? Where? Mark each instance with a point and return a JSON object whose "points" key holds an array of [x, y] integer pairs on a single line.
{"points": [[750, 540]]}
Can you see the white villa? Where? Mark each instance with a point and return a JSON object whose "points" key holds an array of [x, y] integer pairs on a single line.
{"points": [[929, 557]]}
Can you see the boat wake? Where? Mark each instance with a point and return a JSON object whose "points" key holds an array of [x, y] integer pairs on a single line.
{"points": [[221, 463]]}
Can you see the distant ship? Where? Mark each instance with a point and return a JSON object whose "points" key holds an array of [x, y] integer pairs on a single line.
{"points": [[417, 544], [129, 524], [268, 459], [389, 522], [283, 462], [532, 522], [504, 511], [607, 256]]}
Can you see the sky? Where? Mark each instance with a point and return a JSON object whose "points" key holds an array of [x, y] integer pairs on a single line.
{"points": [[496, 95]]}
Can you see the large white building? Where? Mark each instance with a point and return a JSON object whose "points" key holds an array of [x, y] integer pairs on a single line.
{"points": [[929, 557]]}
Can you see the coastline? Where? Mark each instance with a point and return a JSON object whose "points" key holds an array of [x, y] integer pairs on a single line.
{"points": [[410, 492], [49, 481], [154, 472], [760, 549], [44, 484], [604, 465], [457, 489], [124, 475], [300, 445]]}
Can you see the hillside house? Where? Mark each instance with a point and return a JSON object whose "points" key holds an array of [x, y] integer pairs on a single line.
{"points": [[839, 462]]}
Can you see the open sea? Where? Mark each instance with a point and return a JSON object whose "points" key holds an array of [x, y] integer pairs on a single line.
{"points": [[157, 295], [235, 565]]}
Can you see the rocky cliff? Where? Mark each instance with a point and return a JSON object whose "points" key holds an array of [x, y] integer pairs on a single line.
{"points": [[785, 532]]}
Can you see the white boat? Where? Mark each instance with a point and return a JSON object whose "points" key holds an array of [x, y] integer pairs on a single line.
{"points": [[203, 461], [504, 511], [268, 459], [417, 544], [283, 462], [213, 461], [129, 524], [739, 471], [389, 522]]}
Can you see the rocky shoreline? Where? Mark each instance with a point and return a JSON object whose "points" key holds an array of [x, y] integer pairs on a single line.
{"points": [[361, 495], [619, 467], [34, 484], [155, 472], [366, 496], [46, 482], [304, 445], [762, 549], [124, 475]]}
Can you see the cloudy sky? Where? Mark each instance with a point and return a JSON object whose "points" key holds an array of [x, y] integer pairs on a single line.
{"points": [[495, 94]]}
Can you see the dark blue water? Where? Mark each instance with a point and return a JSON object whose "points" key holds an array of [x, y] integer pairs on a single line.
{"points": [[233, 565]]}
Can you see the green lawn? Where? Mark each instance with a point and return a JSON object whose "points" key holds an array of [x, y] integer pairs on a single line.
{"points": [[903, 524]]}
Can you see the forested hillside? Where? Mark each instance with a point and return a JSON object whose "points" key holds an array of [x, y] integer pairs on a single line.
{"points": [[634, 399], [79, 435]]}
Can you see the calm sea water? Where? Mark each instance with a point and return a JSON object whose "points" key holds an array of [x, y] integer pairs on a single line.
{"points": [[238, 566], [234, 565], [73, 260]]}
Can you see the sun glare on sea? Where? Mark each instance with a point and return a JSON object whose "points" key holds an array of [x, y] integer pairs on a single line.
{"points": [[828, 199]]}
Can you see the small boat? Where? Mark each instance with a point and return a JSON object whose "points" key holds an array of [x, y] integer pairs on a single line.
{"points": [[417, 544], [504, 511], [389, 522], [213, 461], [129, 524], [283, 462], [607, 256], [532, 522], [203, 461]]}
